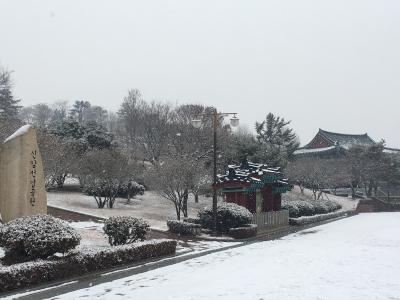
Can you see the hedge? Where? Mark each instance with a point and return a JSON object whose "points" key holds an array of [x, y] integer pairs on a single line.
{"points": [[247, 231], [80, 262], [229, 215], [314, 219], [309, 208], [184, 228]]}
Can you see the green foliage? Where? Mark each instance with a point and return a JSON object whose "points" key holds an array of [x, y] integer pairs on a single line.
{"points": [[309, 208], [184, 228], [91, 135], [37, 236], [125, 230], [229, 215], [277, 140]]}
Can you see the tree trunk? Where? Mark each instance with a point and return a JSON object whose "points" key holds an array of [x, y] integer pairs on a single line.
{"points": [[185, 203], [178, 212], [196, 198]]}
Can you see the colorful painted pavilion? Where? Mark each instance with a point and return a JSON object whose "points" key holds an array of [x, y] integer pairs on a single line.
{"points": [[254, 186]]}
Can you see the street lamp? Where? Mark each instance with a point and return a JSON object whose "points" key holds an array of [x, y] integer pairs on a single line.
{"points": [[197, 122]]}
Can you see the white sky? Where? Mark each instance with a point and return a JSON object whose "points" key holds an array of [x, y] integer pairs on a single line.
{"points": [[322, 64]]}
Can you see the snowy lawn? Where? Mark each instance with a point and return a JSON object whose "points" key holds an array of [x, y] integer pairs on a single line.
{"points": [[354, 258], [150, 206], [93, 236]]}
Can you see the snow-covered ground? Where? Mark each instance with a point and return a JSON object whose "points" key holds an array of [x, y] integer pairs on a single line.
{"points": [[93, 236], [150, 206], [354, 258]]}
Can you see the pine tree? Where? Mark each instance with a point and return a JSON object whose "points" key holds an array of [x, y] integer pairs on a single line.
{"points": [[9, 107], [277, 140]]}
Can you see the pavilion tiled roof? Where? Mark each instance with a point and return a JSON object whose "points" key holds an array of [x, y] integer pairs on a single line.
{"points": [[347, 140], [251, 173]]}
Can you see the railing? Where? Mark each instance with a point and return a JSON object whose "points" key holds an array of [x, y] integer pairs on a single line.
{"points": [[271, 219]]}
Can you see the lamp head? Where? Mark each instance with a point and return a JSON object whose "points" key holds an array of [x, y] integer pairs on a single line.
{"points": [[196, 123], [234, 121]]}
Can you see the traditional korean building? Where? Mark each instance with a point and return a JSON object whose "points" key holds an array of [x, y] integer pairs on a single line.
{"points": [[254, 186], [326, 143]]}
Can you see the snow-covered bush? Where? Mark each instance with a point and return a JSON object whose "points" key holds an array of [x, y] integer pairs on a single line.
{"points": [[80, 262], [247, 231], [332, 205], [291, 206], [130, 189], [38, 236], [305, 208], [125, 230], [229, 215], [184, 228], [316, 218], [309, 208], [192, 220]]}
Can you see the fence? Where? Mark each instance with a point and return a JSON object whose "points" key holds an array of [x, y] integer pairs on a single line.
{"points": [[271, 219]]}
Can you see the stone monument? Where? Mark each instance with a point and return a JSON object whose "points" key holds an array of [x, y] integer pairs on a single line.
{"points": [[22, 191]]}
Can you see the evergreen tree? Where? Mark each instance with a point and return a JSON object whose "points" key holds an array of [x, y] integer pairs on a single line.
{"points": [[277, 140], [9, 107]]}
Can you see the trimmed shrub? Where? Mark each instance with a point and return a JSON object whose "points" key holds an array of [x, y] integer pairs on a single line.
{"points": [[81, 262], [229, 215], [309, 208], [132, 188], [305, 208], [125, 230], [317, 218], [244, 232], [37, 236], [192, 220], [291, 206], [184, 228]]}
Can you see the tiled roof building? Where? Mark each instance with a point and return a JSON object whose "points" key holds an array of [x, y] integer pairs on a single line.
{"points": [[254, 186], [326, 143]]}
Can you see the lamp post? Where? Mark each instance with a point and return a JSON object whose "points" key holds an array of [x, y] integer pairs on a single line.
{"points": [[197, 123]]}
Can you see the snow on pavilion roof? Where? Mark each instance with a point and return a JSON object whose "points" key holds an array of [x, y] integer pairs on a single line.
{"points": [[324, 150], [253, 174]]}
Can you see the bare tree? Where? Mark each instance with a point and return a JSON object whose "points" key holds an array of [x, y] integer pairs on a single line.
{"points": [[60, 157], [318, 174], [147, 126], [105, 171], [172, 179], [78, 111]]}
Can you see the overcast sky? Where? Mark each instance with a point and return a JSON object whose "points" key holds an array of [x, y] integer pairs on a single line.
{"points": [[333, 65]]}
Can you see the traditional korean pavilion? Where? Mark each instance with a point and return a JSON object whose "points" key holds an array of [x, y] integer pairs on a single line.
{"points": [[254, 186], [326, 143]]}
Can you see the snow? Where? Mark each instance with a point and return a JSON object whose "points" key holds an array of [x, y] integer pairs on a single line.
{"points": [[354, 258], [21, 131], [314, 150], [150, 206]]}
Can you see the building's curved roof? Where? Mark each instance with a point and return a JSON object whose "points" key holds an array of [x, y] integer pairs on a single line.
{"points": [[347, 140]]}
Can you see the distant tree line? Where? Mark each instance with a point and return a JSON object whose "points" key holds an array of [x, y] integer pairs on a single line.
{"points": [[155, 144]]}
